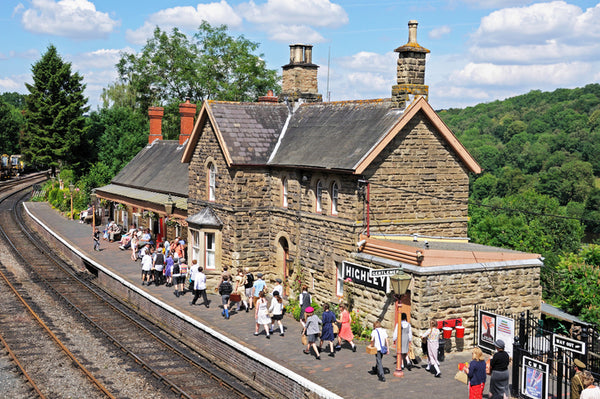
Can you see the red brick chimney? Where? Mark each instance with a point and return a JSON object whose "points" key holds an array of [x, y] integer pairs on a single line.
{"points": [[269, 98], [155, 114], [187, 111]]}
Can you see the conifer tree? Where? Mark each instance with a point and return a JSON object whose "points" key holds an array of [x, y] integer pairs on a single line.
{"points": [[55, 128]]}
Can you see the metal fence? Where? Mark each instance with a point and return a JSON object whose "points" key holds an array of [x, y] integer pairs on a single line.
{"points": [[535, 342]]}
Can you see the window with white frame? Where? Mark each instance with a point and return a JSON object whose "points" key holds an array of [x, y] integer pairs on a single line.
{"points": [[196, 245], [319, 197], [209, 251], [212, 177], [334, 198], [339, 287], [136, 220], [284, 200], [124, 217]]}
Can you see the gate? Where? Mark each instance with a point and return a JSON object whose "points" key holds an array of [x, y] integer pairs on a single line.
{"points": [[544, 346]]}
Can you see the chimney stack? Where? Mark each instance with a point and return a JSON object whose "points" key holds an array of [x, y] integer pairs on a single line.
{"points": [[299, 77], [155, 114], [187, 112], [411, 70], [269, 98]]}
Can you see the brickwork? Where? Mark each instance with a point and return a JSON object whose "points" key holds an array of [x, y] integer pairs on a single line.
{"points": [[454, 294], [418, 180]]}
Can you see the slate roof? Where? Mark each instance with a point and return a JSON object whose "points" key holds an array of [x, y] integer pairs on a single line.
{"points": [[142, 195], [250, 130], [156, 168], [334, 135], [205, 218]]}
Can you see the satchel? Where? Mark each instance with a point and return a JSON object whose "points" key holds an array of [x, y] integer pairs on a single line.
{"points": [[336, 329], [235, 297], [304, 340], [384, 349]]}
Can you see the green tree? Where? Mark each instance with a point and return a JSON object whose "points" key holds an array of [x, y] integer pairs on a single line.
{"points": [[579, 281], [11, 122], [212, 65], [55, 129]]}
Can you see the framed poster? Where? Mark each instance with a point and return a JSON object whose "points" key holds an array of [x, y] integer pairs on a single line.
{"points": [[534, 381], [505, 330], [487, 330]]}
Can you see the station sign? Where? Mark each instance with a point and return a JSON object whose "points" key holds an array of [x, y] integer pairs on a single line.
{"points": [[568, 344], [362, 275], [384, 272]]}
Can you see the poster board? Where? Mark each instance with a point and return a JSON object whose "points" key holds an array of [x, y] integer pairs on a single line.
{"points": [[534, 381], [492, 327]]}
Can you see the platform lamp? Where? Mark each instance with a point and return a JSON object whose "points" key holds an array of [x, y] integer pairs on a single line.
{"points": [[399, 283], [71, 187], [169, 205], [93, 198]]}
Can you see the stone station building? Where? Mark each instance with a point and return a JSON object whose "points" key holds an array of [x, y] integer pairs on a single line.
{"points": [[320, 192]]}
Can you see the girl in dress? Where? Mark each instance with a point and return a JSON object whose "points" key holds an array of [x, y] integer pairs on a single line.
{"points": [[433, 336], [261, 314], [328, 319], [345, 329]]}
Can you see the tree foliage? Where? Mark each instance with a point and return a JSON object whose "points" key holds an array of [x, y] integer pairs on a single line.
{"points": [[211, 65], [11, 123], [55, 129]]}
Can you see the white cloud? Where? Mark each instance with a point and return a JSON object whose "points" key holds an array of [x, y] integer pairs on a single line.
{"points": [[77, 19], [528, 25], [488, 74], [294, 34], [186, 18], [18, 8], [189, 17], [99, 59], [439, 32], [368, 61], [10, 84], [320, 13], [549, 52]]}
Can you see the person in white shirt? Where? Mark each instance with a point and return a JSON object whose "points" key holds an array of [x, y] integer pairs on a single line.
{"points": [[200, 287], [146, 267], [278, 287], [591, 391], [379, 339]]}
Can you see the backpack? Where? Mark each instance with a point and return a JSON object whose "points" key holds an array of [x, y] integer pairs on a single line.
{"points": [[249, 280], [225, 288], [305, 300], [160, 259]]}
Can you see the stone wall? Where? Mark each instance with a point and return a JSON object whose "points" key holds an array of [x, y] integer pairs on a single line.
{"points": [[454, 293], [419, 178]]}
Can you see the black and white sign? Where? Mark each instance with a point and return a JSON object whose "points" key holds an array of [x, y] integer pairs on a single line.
{"points": [[362, 275], [569, 344], [534, 381], [384, 272]]}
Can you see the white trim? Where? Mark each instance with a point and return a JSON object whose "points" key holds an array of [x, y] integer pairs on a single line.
{"points": [[306, 383]]}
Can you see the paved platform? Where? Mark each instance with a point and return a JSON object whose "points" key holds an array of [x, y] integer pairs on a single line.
{"points": [[345, 375]]}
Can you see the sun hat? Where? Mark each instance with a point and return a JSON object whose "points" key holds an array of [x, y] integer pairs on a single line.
{"points": [[579, 364], [499, 344], [309, 309]]}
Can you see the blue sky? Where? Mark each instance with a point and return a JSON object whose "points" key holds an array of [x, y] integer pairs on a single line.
{"points": [[481, 50]]}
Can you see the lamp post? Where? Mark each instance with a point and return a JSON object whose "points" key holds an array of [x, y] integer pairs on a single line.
{"points": [[93, 199], [399, 283], [71, 187], [169, 205]]}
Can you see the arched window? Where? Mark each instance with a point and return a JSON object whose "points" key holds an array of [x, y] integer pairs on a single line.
{"points": [[284, 193], [212, 177], [334, 198], [319, 199]]}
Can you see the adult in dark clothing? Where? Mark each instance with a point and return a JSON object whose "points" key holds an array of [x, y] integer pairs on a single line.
{"points": [[476, 374], [500, 374]]}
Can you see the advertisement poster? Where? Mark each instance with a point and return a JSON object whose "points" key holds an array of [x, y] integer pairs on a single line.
{"points": [[487, 329], [534, 383], [505, 330]]}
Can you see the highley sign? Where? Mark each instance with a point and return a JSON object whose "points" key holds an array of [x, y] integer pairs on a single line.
{"points": [[366, 276]]}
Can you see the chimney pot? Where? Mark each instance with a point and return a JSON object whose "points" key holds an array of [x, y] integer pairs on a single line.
{"points": [[187, 112], [412, 31], [155, 114]]}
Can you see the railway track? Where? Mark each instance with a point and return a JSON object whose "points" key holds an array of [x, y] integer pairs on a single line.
{"points": [[173, 365]]}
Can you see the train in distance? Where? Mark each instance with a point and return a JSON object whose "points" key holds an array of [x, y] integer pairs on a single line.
{"points": [[11, 165]]}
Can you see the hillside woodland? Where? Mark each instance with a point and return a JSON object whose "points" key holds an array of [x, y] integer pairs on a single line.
{"points": [[539, 190]]}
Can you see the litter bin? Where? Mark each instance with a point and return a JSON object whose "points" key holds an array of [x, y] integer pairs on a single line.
{"points": [[441, 349]]}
